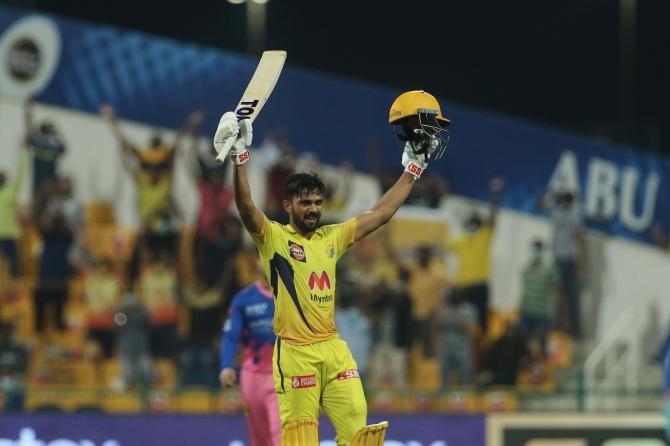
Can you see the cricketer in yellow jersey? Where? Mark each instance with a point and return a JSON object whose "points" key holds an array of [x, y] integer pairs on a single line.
{"points": [[312, 366]]}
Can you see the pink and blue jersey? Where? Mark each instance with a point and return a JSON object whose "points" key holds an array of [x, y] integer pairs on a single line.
{"points": [[250, 323]]}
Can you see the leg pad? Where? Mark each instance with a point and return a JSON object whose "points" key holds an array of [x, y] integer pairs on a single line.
{"points": [[300, 432], [372, 435]]}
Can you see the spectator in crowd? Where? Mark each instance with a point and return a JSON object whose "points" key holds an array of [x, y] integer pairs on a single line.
{"points": [[391, 313], [355, 328], [215, 211], [237, 263], [152, 167], [502, 361], [365, 276], [13, 368], [276, 179], [133, 335], [473, 250], [402, 311], [197, 358], [158, 293], [204, 307], [538, 286], [430, 193], [47, 147], [340, 182], [102, 292], [386, 177], [10, 230], [57, 217], [663, 242], [426, 289], [427, 194], [459, 332], [569, 253]]}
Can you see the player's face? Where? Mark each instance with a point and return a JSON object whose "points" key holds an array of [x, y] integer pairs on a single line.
{"points": [[305, 211]]}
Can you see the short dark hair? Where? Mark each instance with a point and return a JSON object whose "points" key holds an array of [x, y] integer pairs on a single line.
{"points": [[300, 183]]}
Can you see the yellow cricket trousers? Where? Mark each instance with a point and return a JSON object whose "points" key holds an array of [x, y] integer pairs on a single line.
{"points": [[323, 374]]}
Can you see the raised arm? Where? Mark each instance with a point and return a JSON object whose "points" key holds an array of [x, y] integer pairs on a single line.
{"points": [[251, 216], [28, 116], [385, 208], [107, 112], [191, 126], [21, 169], [195, 162], [232, 331], [496, 188], [237, 137]]}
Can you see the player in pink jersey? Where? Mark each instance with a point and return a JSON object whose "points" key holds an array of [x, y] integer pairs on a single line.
{"points": [[250, 322]]}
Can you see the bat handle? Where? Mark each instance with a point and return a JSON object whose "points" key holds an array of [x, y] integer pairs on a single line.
{"points": [[221, 157]]}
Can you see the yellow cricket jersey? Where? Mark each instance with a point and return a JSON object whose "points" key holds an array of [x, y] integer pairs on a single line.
{"points": [[473, 251], [301, 273]]}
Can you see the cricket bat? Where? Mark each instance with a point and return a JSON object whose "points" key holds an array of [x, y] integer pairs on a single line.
{"points": [[258, 91]]}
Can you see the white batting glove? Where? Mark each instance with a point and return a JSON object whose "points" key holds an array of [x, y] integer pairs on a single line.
{"points": [[239, 153], [226, 132], [413, 163]]}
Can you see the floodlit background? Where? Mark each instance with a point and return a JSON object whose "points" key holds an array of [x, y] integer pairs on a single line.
{"points": [[520, 297]]}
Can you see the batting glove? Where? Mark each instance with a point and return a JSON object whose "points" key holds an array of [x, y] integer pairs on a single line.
{"points": [[239, 153], [414, 163], [228, 128]]}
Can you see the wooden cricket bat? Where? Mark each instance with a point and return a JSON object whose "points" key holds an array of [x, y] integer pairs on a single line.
{"points": [[258, 91]]}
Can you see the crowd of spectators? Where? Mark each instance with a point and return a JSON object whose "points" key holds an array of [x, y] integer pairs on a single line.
{"points": [[391, 308]]}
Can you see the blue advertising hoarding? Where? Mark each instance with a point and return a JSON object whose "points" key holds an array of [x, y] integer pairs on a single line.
{"points": [[228, 430], [159, 82]]}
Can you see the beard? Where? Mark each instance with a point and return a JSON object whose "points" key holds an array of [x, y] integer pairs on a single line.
{"points": [[305, 226]]}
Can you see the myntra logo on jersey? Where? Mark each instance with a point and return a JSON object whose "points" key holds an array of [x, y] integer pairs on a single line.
{"points": [[28, 437], [321, 282]]}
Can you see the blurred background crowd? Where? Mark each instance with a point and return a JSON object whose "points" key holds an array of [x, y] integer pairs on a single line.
{"points": [[527, 270], [87, 303]]}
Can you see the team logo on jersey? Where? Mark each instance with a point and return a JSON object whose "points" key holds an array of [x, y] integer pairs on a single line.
{"points": [[330, 251], [349, 374], [297, 251], [321, 282], [255, 310], [301, 382]]}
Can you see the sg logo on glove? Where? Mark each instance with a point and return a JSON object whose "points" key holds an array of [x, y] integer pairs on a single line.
{"points": [[414, 169], [244, 156]]}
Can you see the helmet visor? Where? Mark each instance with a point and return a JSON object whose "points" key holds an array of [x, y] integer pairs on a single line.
{"points": [[434, 129]]}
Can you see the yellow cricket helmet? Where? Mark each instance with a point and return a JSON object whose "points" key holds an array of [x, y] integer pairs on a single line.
{"points": [[411, 103], [418, 121]]}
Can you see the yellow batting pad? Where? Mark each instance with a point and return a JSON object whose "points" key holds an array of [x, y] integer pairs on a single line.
{"points": [[300, 432], [372, 435]]}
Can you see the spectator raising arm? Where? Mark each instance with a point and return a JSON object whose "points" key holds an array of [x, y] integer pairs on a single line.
{"points": [[108, 113], [191, 126], [496, 187]]}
